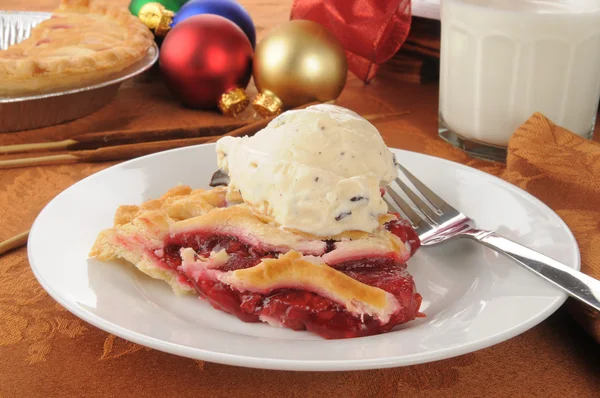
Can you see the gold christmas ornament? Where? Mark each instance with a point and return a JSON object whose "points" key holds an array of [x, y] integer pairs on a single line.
{"points": [[233, 102], [297, 63], [157, 18]]}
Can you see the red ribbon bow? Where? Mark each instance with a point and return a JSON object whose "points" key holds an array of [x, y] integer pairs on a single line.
{"points": [[371, 31]]}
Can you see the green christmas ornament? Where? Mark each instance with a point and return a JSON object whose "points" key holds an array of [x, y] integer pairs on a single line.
{"points": [[172, 5]]}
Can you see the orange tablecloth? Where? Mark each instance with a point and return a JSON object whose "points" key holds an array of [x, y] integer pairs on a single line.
{"points": [[46, 351]]}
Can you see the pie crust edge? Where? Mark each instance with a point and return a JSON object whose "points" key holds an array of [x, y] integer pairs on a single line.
{"points": [[40, 74]]}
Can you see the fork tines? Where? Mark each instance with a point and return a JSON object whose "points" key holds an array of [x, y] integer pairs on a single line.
{"points": [[428, 204]]}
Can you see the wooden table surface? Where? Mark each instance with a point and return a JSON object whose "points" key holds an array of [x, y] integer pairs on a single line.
{"points": [[46, 351]]}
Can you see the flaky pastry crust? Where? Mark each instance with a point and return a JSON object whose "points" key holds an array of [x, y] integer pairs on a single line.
{"points": [[83, 43], [138, 231], [140, 235], [293, 270]]}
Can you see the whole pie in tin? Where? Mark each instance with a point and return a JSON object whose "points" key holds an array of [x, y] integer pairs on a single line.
{"points": [[83, 43]]}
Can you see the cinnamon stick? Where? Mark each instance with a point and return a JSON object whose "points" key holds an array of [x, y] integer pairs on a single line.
{"points": [[130, 151], [106, 154], [122, 137]]}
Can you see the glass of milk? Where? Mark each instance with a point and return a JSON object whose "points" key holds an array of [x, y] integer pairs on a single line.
{"points": [[503, 60]]}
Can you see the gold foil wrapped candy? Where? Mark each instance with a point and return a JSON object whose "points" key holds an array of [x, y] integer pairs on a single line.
{"points": [[233, 102], [157, 18]]}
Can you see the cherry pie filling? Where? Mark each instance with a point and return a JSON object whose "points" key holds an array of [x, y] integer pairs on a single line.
{"points": [[298, 309]]}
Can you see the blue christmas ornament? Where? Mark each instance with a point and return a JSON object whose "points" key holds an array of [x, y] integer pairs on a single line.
{"points": [[225, 8]]}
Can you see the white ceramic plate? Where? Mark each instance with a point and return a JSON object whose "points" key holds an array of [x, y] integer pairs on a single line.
{"points": [[473, 298]]}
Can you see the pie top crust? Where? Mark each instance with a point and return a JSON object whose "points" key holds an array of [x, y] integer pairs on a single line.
{"points": [[82, 43], [141, 234], [294, 270]]}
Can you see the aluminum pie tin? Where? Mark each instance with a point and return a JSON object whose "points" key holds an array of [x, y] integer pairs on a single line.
{"points": [[35, 111]]}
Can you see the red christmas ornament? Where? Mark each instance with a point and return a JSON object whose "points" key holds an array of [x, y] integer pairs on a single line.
{"points": [[205, 60]]}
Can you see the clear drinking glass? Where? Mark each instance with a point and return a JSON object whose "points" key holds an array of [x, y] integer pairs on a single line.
{"points": [[503, 60]]}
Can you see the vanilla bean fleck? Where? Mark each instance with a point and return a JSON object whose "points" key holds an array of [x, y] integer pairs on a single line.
{"points": [[343, 215]]}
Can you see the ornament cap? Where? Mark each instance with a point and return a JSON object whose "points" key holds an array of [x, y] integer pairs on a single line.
{"points": [[233, 101], [157, 18], [267, 104]]}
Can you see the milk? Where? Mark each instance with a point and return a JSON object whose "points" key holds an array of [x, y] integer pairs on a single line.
{"points": [[503, 60]]}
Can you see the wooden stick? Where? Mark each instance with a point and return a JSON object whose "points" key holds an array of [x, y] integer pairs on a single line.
{"points": [[121, 137], [387, 116], [38, 146], [246, 130], [105, 154], [130, 151], [38, 161], [14, 242]]}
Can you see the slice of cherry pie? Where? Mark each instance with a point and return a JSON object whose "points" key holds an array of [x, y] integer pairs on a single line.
{"points": [[210, 243]]}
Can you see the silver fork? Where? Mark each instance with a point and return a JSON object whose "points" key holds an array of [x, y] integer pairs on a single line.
{"points": [[441, 222]]}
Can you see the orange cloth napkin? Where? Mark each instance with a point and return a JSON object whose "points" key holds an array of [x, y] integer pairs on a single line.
{"points": [[563, 170]]}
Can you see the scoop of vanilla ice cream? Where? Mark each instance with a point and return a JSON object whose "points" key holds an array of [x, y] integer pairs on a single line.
{"points": [[317, 170]]}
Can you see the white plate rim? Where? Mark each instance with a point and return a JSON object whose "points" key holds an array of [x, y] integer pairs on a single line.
{"points": [[306, 365]]}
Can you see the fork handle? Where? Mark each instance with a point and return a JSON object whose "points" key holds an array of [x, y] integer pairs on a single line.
{"points": [[575, 283]]}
